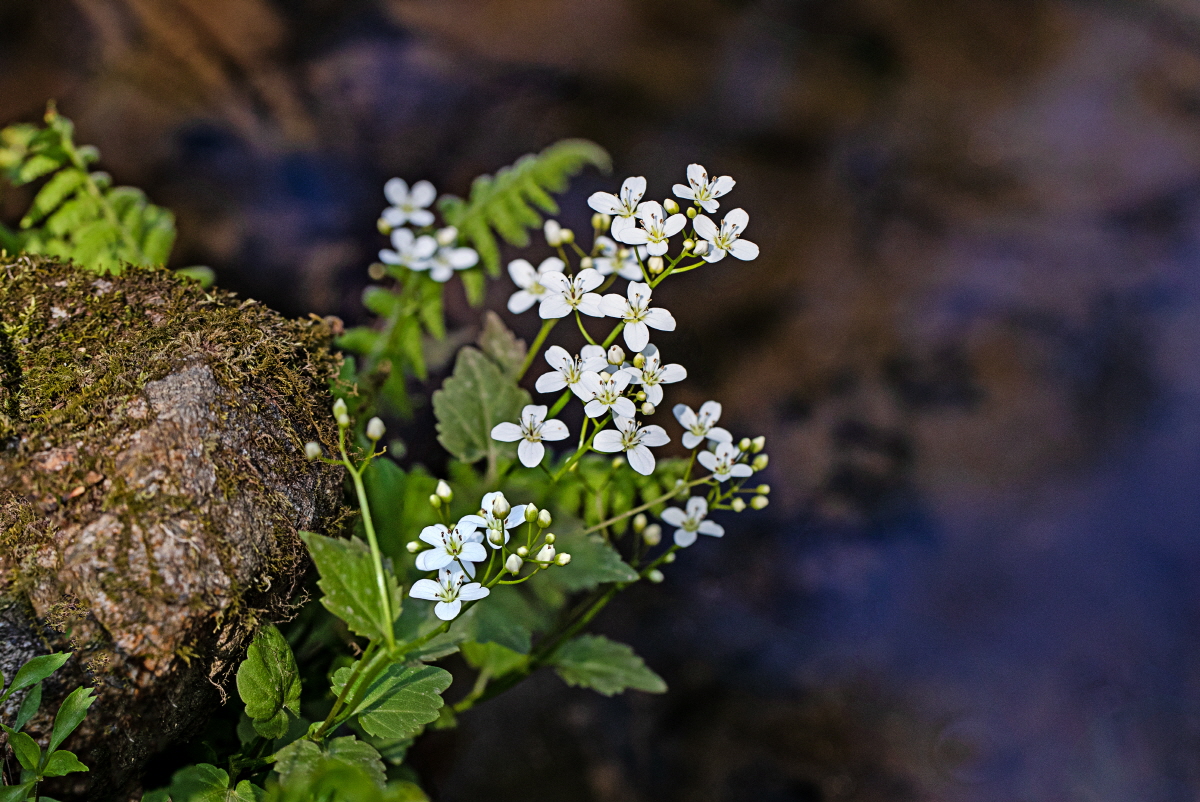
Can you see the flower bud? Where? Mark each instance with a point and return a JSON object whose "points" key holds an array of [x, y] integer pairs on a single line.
{"points": [[531, 513], [375, 429], [762, 490], [617, 462], [669, 558], [759, 443], [689, 243], [655, 265], [760, 462], [544, 518], [513, 564], [758, 502], [550, 537], [522, 551], [496, 537], [413, 546], [691, 213], [563, 558], [601, 222], [616, 355], [671, 206], [744, 444], [444, 492], [446, 236], [701, 247], [339, 407], [586, 262], [639, 361], [312, 451], [434, 501], [738, 504], [652, 535], [383, 227], [376, 271], [500, 507], [568, 236], [553, 232], [640, 396], [546, 554], [647, 408], [656, 575], [343, 420], [639, 523]]}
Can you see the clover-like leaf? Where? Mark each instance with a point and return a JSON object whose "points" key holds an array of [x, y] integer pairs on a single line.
{"points": [[605, 666]]}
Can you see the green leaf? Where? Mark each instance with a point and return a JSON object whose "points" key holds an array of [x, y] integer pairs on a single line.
{"points": [[501, 345], [349, 583], [497, 660], [71, 714], [29, 707], [157, 795], [506, 618], [608, 667], [471, 402], [269, 683], [57, 189], [35, 671], [28, 753], [207, 783], [401, 701], [298, 762], [399, 504], [62, 763], [204, 276], [593, 562], [15, 793]]}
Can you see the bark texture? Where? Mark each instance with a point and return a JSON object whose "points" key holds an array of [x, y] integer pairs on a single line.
{"points": [[152, 484]]}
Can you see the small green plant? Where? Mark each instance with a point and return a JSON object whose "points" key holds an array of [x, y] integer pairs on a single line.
{"points": [[37, 764]]}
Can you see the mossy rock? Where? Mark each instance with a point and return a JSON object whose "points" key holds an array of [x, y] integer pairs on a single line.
{"points": [[152, 485]]}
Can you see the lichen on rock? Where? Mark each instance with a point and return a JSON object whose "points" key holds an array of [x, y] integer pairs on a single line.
{"points": [[152, 484]]}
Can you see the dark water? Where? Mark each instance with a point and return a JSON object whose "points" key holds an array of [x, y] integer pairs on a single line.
{"points": [[971, 340]]}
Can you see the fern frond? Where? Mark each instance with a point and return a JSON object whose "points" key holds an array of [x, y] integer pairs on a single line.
{"points": [[513, 201], [77, 214]]}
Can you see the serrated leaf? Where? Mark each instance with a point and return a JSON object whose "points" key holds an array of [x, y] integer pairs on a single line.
{"points": [[57, 189], [350, 586], [501, 345], [505, 617], [70, 714], [268, 682], [29, 707], [497, 660], [35, 167], [401, 701], [62, 763], [593, 562], [36, 670], [472, 401], [207, 783], [28, 753], [605, 666]]}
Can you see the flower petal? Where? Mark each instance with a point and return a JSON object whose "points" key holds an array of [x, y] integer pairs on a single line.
{"points": [[674, 224], [433, 559], [641, 460], [655, 436], [685, 415], [421, 217], [613, 305], [680, 191], [553, 430], [631, 235], [707, 459], [624, 407], [520, 301], [697, 507], [608, 441], [654, 394], [656, 248], [396, 191], [588, 279], [506, 432], [737, 217], [434, 535], [722, 186], [447, 611], [530, 453], [422, 194], [711, 411], [551, 382], [705, 228], [684, 538], [744, 250], [637, 335], [522, 273], [697, 174], [672, 373], [594, 409], [741, 470], [462, 258], [720, 435], [619, 224], [634, 187], [589, 305], [473, 591], [425, 589], [673, 516], [691, 440], [473, 552], [603, 202], [660, 319], [711, 528], [533, 414], [554, 306], [558, 357]]}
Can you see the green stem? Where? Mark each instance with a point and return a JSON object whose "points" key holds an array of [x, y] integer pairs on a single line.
{"points": [[340, 702], [360, 490], [537, 344], [559, 404], [586, 336], [665, 497], [614, 334]]}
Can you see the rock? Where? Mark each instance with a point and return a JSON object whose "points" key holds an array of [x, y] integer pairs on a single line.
{"points": [[152, 484]]}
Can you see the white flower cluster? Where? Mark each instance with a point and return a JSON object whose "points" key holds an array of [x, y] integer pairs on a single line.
{"points": [[425, 249], [454, 551]]}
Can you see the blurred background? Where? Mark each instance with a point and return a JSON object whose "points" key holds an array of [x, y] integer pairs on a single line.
{"points": [[971, 339]]}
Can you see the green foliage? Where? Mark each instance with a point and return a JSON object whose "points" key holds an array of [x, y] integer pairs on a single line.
{"points": [[605, 666], [502, 346], [299, 763], [268, 682], [207, 783], [34, 671], [77, 214], [508, 203], [399, 504], [401, 700], [349, 584], [472, 401], [508, 619], [593, 562]]}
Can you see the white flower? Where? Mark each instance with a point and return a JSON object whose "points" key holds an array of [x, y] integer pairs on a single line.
{"points": [[408, 207], [691, 522], [460, 544], [496, 528], [653, 374], [622, 208], [637, 314], [725, 239], [723, 463], [566, 294], [533, 429], [701, 190], [532, 290], [448, 591], [443, 263], [702, 426], [634, 439], [656, 228], [618, 259], [604, 394], [568, 370], [410, 250]]}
